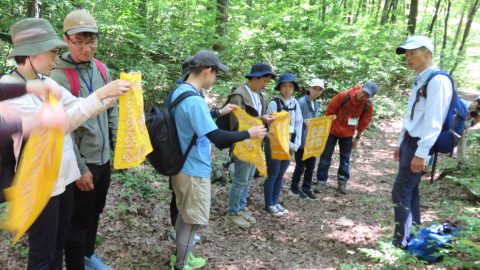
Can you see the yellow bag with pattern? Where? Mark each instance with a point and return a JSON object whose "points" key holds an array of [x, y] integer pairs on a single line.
{"points": [[279, 136], [133, 143], [35, 178], [317, 135], [249, 150]]}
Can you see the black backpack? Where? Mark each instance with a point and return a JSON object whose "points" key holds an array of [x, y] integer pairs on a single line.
{"points": [[167, 156], [7, 166]]}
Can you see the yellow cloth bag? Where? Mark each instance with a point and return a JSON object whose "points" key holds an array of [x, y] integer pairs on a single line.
{"points": [[133, 143], [249, 150], [279, 136], [317, 135], [35, 178]]}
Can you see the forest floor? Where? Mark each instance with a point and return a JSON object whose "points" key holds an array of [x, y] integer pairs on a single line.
{"points": [[320, 234]]}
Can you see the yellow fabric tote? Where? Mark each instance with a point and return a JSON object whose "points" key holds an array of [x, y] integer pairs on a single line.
{"points": [[317, 135], [249, 150], [35, 178], [133, 143], [279, 136]]}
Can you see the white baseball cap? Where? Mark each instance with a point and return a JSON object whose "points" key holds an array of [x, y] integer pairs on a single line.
{"points": [[415, 42], [317, 82]]}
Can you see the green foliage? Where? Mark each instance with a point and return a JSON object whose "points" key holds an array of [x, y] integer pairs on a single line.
{"points": [[143, 182]]}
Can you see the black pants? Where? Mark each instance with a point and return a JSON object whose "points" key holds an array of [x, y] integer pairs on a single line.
{"points": [[308, 166], [87, 207], [46, 236]]}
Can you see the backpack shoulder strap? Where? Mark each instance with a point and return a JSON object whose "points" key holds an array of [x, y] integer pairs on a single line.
{"points": [[179, 99], [279, 104], [72, 78], [345, 100], [101, 68]]}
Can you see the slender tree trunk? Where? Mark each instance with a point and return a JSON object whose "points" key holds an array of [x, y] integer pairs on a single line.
{"points": [[221, 22], [386, 7], [33, 9], [393, 11], [459, 27], [357, 12], [466, 32], [378, 9], [412, 17], [445, 32], [324, 10], [435, 15]]}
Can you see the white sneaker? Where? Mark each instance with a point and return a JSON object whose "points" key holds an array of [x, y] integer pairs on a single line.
{"points": [[282, 209], [273, 210]]}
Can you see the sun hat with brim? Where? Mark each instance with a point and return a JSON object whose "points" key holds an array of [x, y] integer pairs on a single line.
{"points": [[79, 21], [259, 70], [415, 42], [317, 82], [287, 78], [370, 88], [33, 36]]}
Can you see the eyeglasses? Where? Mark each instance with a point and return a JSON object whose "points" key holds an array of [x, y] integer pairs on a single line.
{"points": [[93, 43]]}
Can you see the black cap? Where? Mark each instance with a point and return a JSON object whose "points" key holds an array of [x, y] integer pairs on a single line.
{"points": [[206, 58]]}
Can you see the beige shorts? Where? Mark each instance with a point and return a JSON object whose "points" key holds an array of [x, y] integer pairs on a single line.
{"points": [[193, 198]]}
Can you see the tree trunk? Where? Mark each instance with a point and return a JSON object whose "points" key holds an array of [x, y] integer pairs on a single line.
{"points": [[386, 7], [393, 11], [466, 32], [434, 19], [324, 10], [221, 22], [33, 9], [445, 33], [359, 8], [412, 17], [459, 28]]}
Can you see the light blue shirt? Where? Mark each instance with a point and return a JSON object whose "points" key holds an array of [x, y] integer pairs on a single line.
{"points": [[192, 116], [430, 113]]}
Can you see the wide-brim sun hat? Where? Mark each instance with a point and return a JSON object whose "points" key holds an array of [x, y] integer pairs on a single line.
{"points": [[33, 36], [287, 77], [260, 70]]}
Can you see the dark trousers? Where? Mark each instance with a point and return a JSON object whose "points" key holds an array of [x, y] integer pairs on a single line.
{"points": [[87, 207], [405, 193], [343, 173], [272, 187], [46, 236], [301, 166]]}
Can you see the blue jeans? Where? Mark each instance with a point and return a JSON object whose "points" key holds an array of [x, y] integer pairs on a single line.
{"points": [[301, 166], [343, 173], [242, 177], [275, 171], [405, 193]]}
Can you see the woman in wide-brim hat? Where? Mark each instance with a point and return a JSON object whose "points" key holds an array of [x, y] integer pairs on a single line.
{"points": [[35, 49]]}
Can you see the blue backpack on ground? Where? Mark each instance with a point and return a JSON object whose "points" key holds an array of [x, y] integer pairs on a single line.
{"points": [[430, 239]]}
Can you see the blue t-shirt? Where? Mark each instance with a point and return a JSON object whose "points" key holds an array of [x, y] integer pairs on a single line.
{"points": [[192, 116]]}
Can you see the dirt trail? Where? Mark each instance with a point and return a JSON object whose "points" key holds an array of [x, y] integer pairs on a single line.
{"points": [[314, 235]]}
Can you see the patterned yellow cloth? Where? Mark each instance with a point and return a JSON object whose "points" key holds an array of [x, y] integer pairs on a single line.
{"points": [[317, 135], [279, 136], [35, 178], [249, 150], [133, 143]]}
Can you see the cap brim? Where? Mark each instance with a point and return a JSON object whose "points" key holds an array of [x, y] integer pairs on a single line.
{"points": [[82, 30], [404, 48], [37, 48], [223, 67]]}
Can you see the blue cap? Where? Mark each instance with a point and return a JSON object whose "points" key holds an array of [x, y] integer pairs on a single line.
{"points": [[259, 70], [287, 77], [370, 88]]}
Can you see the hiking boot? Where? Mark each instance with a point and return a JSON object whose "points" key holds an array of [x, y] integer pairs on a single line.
{"points": [[237, 220], [297, 193], [274, 211], [96, 263], [282, 209], [319, 186], [247, 215], [310, 195], [193, 262], [342, 187]]}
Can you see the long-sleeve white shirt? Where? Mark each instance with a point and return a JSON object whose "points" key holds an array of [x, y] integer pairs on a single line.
{"points": [[429, 113]]}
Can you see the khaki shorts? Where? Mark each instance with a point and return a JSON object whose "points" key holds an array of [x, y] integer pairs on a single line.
{"points": [[193, 198]]}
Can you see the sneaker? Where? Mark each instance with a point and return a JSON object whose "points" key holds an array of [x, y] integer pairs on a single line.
{"points": [[237, 220], [173, 236], [319, 186], [193, 262], [247, 215], [274, 211], [282, 209], [96, 263], [310, 195], [342, 187], [297, 193]]}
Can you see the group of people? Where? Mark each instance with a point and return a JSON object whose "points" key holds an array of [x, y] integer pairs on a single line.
{"points": [[87, 95]]}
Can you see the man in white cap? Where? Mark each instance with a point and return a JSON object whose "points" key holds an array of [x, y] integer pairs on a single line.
{"points": [[421, 127], [82, 74], [310, 109]]}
